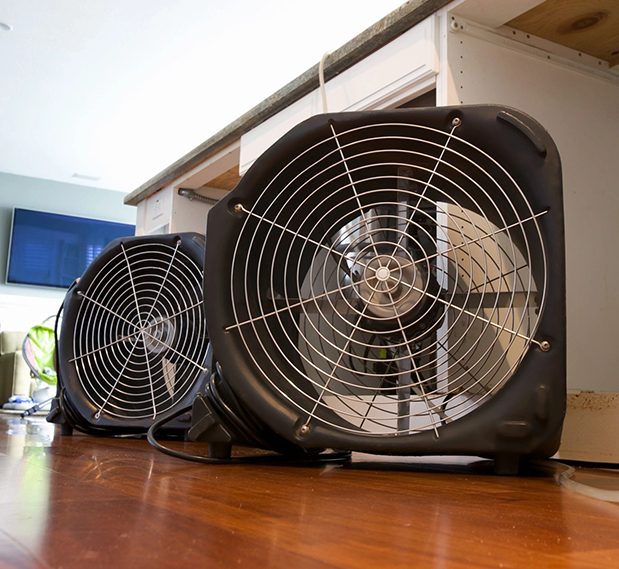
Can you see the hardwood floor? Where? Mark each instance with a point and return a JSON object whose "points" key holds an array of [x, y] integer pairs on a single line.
{"points": [[90, 502]]}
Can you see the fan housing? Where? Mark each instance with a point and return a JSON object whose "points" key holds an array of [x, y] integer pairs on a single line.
{"points": [[133, 339], [394, 282]]}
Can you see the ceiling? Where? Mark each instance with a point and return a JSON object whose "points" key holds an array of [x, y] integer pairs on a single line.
{"points": [[116, 90]]}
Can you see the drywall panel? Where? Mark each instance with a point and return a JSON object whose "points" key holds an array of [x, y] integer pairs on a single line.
{"points": [[168, 212], [188, 215], [591, 428], [396, 72], [156, 213], [581, 112]]}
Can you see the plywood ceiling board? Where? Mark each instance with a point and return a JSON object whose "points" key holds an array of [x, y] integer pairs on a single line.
{"points": [[493, 13], [226, 181], [589, 26]]}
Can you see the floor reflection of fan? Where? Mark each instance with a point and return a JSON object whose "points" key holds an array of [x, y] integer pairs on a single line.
{"points": [[133, 339], [393, 282]]}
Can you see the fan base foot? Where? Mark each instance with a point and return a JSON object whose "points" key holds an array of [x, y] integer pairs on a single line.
{"points": [[219, 450], [506, 464]]}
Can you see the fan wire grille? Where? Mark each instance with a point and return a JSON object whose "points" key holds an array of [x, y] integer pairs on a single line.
{"points": [[382, 282], [140, 340]]}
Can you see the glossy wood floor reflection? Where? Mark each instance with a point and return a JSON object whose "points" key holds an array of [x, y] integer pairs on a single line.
{"points": [[90, 502]]}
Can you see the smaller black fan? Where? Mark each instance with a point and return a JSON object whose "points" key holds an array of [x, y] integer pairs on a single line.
{"points": [[133, 338]]}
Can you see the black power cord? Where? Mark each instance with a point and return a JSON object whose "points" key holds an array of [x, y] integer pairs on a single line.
{"points": [[326, 457], [228, 406]]}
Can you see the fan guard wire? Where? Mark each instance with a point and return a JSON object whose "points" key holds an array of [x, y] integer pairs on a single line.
{"points": [[506, 273], [64, 406], [139, 340]]}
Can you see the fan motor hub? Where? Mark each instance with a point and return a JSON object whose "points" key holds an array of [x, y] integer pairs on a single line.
{"points": [[159, 335], [383, 274], [393, 288]]}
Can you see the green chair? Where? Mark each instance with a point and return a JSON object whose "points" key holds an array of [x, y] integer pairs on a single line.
{"points": [[38, 350]]}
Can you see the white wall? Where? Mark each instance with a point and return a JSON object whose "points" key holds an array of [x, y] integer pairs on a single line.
{"points": [[23, 306], [168, 212]]}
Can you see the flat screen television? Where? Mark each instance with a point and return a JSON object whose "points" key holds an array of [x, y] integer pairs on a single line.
{"points": [[52, 250]]}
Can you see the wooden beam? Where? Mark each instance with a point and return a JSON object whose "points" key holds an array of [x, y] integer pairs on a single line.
{"points": [[226, 181]]}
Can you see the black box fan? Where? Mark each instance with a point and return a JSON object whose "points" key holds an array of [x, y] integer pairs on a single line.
{"points": [[133, 338], [392, 282]]}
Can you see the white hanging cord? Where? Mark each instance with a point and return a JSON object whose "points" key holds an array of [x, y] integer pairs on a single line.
{"points": [[321, 79]]}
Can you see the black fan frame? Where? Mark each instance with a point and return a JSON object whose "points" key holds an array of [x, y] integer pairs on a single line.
{"points": [[525, 417], [71, 408]]}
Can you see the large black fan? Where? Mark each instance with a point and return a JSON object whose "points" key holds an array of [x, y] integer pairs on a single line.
{"points": [[133, 340], [394, 282]]}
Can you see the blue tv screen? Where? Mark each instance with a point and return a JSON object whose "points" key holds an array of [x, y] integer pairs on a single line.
{"points": [[49, 249]]}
